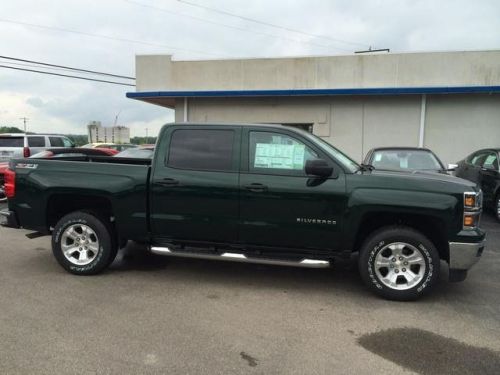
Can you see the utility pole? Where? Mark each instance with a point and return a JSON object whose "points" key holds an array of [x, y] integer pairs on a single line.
{"points": [[147, 138], [25, 120]]}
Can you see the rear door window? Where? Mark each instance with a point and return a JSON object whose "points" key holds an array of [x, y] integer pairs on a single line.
{"points": [[11, 141], [200, 149], [56, 142], [36, 141]]}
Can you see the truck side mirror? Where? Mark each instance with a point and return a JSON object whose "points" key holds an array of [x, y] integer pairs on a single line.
{"points": [[318, 167]]}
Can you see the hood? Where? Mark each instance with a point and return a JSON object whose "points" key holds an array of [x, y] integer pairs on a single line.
{"points": [[416, 180]]}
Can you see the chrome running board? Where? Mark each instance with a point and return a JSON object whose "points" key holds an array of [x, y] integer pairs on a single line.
{"points": [[236, 257]]}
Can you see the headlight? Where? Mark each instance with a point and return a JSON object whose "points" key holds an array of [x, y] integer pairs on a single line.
{"points": [[472, 209], [473, 201]]}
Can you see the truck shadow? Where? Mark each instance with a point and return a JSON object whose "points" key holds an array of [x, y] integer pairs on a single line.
{"points": [[342, 278]]}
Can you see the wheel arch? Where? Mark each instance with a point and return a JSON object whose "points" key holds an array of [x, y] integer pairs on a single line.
{"points": [[434, 228]]}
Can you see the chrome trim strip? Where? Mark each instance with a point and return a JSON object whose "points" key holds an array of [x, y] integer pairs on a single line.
{"points": [[464, 255], [236, 257]]}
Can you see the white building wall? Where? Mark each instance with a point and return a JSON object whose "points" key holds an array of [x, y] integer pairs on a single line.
{"points": [[455, 125]]}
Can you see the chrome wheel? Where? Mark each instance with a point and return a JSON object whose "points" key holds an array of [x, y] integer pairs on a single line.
{"points": [[79, 244], [400, 266]]}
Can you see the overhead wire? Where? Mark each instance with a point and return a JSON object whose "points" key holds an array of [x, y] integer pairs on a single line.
{"points": [[4, 20], [265, 23], [67, 75], [234, 27], [64, 67]]}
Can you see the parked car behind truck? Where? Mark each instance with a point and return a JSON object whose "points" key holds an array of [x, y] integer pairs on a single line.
{"points": [[18, 145], [482, 167], [252, 193]]}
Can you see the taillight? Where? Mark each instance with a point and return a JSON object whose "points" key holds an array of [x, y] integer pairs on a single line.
{"points": [[9, 183], [26, 152]]}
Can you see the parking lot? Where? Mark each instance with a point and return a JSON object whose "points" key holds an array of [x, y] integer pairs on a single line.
{"points": [[149, 314]]}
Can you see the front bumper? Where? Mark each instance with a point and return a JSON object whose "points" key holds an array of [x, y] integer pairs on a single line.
{"points": [[464, 255], [11, 219]]}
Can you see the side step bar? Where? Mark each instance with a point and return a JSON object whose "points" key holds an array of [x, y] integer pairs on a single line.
{"points": [[235, 257]]}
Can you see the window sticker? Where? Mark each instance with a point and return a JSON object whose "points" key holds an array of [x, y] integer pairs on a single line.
{"points": [[279, 156]]}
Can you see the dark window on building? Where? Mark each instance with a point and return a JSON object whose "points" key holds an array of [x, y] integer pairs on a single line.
{"points": [[36, 141], [201, 149], [56, 142]]}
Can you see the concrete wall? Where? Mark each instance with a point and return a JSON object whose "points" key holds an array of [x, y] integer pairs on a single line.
{"points": [[160, 72], [455, 125]]}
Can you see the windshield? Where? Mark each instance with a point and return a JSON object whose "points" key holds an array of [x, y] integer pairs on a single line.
{"points": [[405, 160], [342, 158]]}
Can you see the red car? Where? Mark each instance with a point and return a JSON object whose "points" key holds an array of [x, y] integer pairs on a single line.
{"points": [[57, 153]]}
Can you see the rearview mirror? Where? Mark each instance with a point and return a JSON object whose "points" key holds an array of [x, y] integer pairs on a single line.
{"points": [[318, 167]]}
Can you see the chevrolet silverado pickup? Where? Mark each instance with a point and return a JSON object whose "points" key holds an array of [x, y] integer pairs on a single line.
{"points": [[265, 194]]}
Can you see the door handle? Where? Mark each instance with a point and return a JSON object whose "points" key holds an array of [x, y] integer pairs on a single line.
{"points": [[167, 182], [256, 188]]}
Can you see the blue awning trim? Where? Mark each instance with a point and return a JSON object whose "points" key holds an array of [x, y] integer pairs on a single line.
{"points": [[317, 92]]}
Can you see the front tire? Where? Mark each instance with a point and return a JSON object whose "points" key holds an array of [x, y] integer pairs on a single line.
{"points": [[83, 243], [399, 263]]}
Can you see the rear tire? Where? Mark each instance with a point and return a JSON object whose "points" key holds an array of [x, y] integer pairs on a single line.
{"points": [[83, 243], [399, 263]]}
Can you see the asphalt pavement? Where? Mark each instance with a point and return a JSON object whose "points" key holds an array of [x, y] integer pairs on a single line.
{"points": [[153, 315]]}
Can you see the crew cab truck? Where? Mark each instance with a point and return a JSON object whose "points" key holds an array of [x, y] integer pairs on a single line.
{"points": [[252, 193]]}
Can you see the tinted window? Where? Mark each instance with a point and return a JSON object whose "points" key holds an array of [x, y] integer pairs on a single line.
{"points": [[405, 160], [56, 142], [478, 158], [36, 141], [491, 162], [67, 142], [201, 149], [274, 152], [11, 141]]}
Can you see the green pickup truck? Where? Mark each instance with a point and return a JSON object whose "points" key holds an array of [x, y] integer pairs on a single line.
{"points": [[252, 193]]}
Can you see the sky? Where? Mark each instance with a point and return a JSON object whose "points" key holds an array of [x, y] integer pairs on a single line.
{"points": [[106, 36]]}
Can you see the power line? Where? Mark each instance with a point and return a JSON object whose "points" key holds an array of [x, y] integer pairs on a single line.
{"points": [[66, 75], [220, 11], [231, 26], [105, 37], [66, 67]]}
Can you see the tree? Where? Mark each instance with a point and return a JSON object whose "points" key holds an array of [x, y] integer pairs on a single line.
{"points": [[10, 129]]}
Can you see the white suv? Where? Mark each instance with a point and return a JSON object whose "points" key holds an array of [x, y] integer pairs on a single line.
{"points": [[21, 145]]}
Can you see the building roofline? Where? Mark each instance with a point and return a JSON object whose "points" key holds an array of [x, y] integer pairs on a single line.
{"points": [[143, 95], [275, 57]]}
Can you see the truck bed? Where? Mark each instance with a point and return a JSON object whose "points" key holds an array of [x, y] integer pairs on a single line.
{"points": [[44, 185]]}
